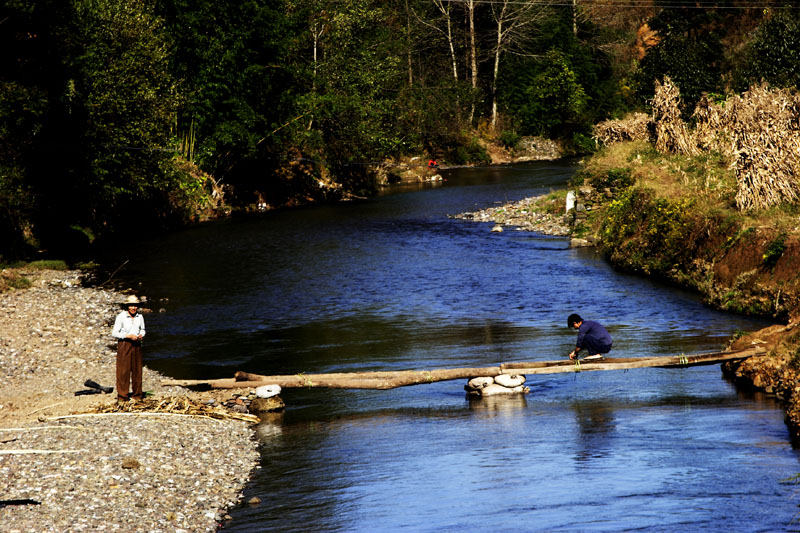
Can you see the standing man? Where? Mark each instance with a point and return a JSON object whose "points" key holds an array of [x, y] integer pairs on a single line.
{"points": [[129, 332], [592, 336]]}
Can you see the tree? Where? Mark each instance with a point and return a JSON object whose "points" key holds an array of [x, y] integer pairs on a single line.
{"points": [[238, 89], [512, 20], [30, 71], [554, 99], [101, 109], [689, 51], [773, 55], [129, 103]]}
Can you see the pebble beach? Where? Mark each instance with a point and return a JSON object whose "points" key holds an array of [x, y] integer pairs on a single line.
{"points": [[66, 467]]}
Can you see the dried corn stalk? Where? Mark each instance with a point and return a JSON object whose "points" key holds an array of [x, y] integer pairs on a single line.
{"points": [[710, 132], [672, 135], [181, 405], [765, 145], [633, 127]]}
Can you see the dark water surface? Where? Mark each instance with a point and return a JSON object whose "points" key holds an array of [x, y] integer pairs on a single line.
{"points": [[392, 283]]}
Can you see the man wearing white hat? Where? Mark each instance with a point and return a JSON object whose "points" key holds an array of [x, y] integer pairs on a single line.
{"points": [[129, 332]]}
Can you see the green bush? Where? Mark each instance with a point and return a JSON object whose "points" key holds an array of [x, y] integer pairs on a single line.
{"points": [[644, 233], [12, 280], [620, 178], [774, 251], [471, 153], [584, 144], [509, 139]]}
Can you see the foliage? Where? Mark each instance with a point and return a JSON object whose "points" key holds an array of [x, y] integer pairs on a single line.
{"points": [[645, 233], [10, 280], [509, 139], [551, 100], [583, 143], [270, 97], [99, 113], [619, 178], [689, 51], [773, 55], [774, 250], [469, 152]]}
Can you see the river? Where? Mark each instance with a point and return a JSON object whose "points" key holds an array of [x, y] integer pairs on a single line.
{"points": [[393, 283]]}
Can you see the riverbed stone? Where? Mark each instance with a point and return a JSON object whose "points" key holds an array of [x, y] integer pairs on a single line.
{"points": [[259, 406], [479, 382], [510, 380], [495, 390], [87, 479]]}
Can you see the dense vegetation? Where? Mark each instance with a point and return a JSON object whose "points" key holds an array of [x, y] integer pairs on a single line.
{"points": [[116, 115]]}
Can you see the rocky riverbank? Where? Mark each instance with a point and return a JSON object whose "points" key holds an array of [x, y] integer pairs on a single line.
{"points": [[62, 469], [524, 215]]}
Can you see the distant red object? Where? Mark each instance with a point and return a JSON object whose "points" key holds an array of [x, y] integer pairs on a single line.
{"points": [[432, 163]]}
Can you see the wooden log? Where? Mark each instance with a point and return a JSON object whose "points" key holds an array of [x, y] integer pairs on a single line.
{"points": [[353, 380], [389, 380], [671, 361]]}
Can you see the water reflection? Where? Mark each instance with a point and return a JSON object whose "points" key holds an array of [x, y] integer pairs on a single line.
{"points": [[596, 429], [501, 404]]}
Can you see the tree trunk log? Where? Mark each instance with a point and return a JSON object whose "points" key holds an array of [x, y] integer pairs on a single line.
{"points": [[402, 378]]}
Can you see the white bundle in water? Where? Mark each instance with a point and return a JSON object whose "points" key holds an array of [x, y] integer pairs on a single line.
{"points": [[491, 386]]}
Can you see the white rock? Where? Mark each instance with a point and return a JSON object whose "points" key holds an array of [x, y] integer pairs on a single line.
{"points": [[495, 389], [479, 383], [570, 203], [509, 380], [268, 391]]}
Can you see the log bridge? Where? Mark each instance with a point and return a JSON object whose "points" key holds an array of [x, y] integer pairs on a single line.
{"points": [[402, 378]]}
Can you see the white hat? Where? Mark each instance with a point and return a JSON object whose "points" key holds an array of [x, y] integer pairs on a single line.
{"points": [[131, 300]]}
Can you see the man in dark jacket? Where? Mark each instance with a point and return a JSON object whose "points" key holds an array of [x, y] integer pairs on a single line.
{"points": [[592, 337]]}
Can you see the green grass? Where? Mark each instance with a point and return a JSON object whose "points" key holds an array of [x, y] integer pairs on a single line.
{"points": [[48, 264]]}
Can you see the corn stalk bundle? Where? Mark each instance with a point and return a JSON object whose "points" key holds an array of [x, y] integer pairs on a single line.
{"points": [[765, 145], [709, 131], [180, 405], [672, 135], [632, 127]]}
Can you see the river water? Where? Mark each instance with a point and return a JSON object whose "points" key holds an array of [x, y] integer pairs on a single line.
{"points": [[393, 283]]}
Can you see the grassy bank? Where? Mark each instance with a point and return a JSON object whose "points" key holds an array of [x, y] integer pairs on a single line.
{"points": [[14, 275], [675, 217]]}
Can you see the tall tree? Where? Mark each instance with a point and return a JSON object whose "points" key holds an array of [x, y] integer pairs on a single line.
{"points": [[512, 20], [773, 55], [129, 103], [689, 51]]}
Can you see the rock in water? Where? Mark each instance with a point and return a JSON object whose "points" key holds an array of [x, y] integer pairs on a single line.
{"points": [[509, 380], [268, 391], [479, 383], [495, 389], [266, 405]]}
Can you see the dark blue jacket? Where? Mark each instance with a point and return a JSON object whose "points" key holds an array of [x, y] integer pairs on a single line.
{"points": [[592, 334]]}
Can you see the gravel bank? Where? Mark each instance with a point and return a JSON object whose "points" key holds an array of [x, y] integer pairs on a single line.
{"points": [[522, 215], [126, 472]]}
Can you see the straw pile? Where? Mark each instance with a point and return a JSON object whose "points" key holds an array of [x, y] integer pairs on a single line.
{"points": [[764, 129], [180, 405], [671, 134], [709, 132], [632, 127], [758, 131]]}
